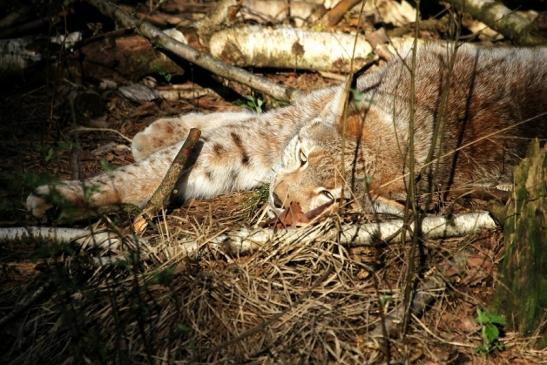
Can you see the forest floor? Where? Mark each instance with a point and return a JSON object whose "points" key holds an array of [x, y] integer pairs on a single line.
{"points": [[284, 303]]}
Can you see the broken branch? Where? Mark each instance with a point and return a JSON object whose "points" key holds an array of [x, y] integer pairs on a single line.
{"points": [[334, 15], [157, 37], [167, 186]]}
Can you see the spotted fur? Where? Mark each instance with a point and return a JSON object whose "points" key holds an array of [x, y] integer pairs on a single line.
{"points": [[480, 99]]}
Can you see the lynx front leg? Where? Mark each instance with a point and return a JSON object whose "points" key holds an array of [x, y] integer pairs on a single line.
{"points": [[224, 164], [168, 131], [131, 184]]}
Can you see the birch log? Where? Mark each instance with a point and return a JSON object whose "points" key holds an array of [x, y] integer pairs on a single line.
{"points": [[83, 237], [244, 241], [291, 48]]}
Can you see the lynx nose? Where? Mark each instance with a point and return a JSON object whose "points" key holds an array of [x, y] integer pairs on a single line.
{"points": [[277, 203]]}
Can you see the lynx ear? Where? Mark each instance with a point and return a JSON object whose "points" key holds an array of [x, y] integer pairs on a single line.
{"points": [[334, 110], [351, 126], [359, 118]]}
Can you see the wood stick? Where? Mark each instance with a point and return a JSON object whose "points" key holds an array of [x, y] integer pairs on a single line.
{"points": [[159, 38], [334, 15], [167, 186]]}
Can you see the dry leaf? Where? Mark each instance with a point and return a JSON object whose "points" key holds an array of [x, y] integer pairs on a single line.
{"points": [[293, 216]]}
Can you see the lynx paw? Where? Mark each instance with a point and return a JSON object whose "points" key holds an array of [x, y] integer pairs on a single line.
{"points": [[37, 205]]}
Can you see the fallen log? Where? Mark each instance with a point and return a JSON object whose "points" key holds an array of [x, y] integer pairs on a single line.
{"points": [[159, 38], [290, 48], [246, 240], [502, 19]]}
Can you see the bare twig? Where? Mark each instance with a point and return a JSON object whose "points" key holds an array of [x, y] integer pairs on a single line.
{"points": [[190, 54], [88, 129], [333, 16], [162, 194]]}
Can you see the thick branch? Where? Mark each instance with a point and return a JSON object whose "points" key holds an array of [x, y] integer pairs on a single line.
{"points": [[190, 54], [498, 17]]}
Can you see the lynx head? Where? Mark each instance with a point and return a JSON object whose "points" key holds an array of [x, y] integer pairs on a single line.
{"points": [[321, 165]]}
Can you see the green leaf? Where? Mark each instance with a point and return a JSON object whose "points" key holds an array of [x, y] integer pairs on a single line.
{"points": [[485, 317], [491, 333], [497, 319], [106, 166]]}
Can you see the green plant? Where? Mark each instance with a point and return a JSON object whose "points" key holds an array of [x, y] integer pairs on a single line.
{"points": [[491, 330], [159, 70], [253, 103], [106, 166], [256, 200]]}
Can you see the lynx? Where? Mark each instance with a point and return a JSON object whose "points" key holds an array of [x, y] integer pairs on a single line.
{"points": [[484, 104]]}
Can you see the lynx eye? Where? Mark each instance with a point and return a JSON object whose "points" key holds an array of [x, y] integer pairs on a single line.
{"points": [[303, 158], [328, 194]]}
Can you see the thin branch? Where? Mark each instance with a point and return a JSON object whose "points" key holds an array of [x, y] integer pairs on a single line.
{"points": [[167, 186], [159, 38], [334, 15], [89, 129]]}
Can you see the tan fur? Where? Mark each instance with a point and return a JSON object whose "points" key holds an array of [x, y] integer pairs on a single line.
{"points": [[488, 91]]}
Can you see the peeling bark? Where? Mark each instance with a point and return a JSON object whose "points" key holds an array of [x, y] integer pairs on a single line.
{"points": [[291, 48]]}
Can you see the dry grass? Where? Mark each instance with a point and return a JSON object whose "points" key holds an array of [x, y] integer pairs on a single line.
{"points": [[286, 303]]}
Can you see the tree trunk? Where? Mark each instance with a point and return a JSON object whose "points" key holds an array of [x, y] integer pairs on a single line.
{"points": [[523, 293]]}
